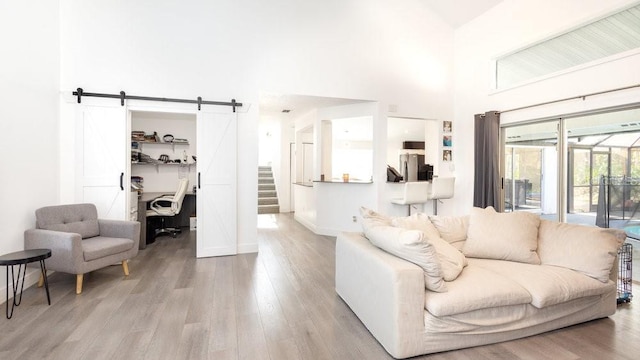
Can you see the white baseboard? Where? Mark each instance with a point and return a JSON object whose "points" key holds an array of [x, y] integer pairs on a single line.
{"points": [[327, 232], [248, 248], [315, 229], [309, 225]]}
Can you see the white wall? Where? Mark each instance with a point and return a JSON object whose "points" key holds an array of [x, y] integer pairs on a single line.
{"points": [[304, 201], [398, 53], [285, 176], [305, 162], [507, 27], [269, 140], [29, 83]]}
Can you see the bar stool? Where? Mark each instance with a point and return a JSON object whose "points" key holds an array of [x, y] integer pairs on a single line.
{"points": [[415, 192], [441, 188]]}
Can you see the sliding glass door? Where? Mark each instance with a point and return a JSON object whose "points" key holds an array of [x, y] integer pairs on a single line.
{"points": [[530, 163], [595, 176], [601, 150]]}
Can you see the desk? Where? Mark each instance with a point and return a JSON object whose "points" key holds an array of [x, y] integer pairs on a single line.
{"points": [[180, 220], [22, 258]]}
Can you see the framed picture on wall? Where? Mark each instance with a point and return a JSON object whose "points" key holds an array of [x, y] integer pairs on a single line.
{"points": [[447, 140], [447, 155], [446, 126]]}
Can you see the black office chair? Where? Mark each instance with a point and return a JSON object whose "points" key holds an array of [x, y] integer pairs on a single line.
{"points": [[168, 206]]}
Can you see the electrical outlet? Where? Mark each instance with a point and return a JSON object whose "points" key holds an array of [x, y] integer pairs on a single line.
{"points": [[355, 219]]}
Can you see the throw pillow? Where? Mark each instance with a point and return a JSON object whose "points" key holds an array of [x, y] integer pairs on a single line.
{"points": [[410, 245], [589, 250], [451, 259], [502, 236], [419, 221], [453, 229], [372, 218]]}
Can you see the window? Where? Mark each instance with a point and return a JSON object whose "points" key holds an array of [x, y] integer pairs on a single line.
{"points": [[612, 35]]}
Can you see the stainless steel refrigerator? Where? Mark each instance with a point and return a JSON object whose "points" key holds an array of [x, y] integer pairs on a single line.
{"points": [[409, 166]]}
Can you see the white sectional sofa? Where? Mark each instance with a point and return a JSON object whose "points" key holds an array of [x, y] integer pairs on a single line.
{"points": [[425, 284]]}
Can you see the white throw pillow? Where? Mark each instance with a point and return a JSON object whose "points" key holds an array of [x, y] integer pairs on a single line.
{"points": [[372, 218], [419, 221], [502, 236], [452, 261], [409, 245], [589, 250], [453, 229]]}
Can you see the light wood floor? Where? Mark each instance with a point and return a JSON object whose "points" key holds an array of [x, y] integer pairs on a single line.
{"points": [[277, 304]]}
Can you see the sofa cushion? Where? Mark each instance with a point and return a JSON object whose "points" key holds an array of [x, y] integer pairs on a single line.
{"points": [[589, 250], [412, 246], [502, 236], [452, 229], [451, 259], [476, 288], [548, 285], [419, 221], [101, 246], [75, 218]]}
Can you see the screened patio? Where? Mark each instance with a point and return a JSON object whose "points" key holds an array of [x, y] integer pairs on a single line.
{"points": [[602, 161]]}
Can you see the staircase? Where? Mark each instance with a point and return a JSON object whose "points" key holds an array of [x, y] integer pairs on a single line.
{"points": [[267, 195]]}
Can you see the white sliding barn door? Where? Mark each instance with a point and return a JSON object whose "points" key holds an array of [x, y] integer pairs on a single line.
{"points": [[101, 157], [217, 183]]}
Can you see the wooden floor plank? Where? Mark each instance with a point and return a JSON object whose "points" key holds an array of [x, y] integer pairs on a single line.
{"points": [[168, 334], [195, 342], [277, 304], [133, 346]]}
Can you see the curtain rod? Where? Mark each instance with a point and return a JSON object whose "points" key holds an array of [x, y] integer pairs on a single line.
{"points": [[571, 98], [122, 96]]}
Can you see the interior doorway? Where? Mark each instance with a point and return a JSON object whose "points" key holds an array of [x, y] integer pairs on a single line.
{"points": [[292, 171], [205, 154], [163, 155], [280, 116]]}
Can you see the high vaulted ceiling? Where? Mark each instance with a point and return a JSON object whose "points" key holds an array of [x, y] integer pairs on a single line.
{"points": [[453, 12], [459, 12]]}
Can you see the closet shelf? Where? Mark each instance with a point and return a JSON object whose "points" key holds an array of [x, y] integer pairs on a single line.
{"points": [[157, 166], [160, 142], [162, 164], [138, 144]]}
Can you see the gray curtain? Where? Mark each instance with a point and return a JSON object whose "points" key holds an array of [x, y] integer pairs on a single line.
{"points": [[602, 210], [486, 190]]}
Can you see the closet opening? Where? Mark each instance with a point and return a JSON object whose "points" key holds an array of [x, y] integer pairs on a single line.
{"points": [[163, 173]]}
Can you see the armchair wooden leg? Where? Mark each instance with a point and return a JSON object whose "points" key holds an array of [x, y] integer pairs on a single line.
{"points": [[41, 280], [125, 267], [79, 278]]}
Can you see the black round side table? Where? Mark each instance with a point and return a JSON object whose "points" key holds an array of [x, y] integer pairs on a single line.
{"points": [[22, 258]]}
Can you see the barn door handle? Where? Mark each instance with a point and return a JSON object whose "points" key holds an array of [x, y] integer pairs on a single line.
{"points": [[198, 180], [122, 181]]}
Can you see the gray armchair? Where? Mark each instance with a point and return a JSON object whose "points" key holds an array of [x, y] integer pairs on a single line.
{"points": [[80, 242]]}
